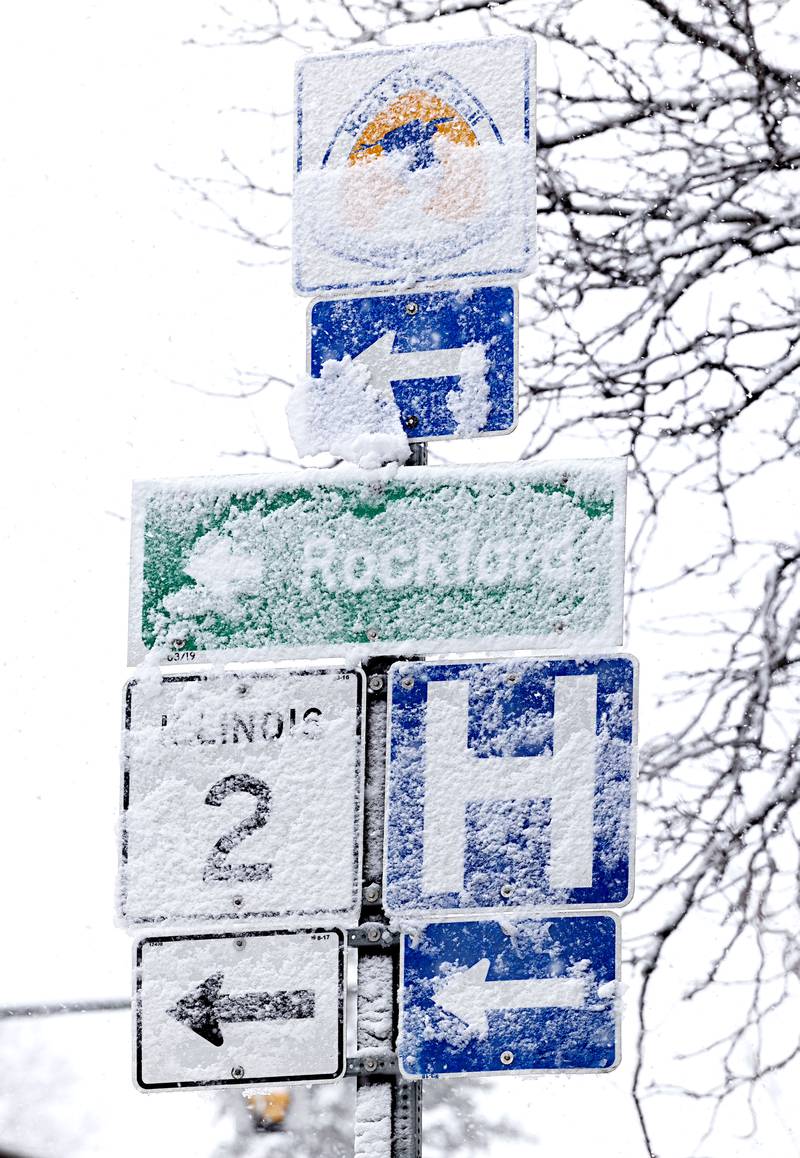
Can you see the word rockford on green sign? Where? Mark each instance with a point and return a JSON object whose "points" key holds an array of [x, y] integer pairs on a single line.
{"points": [[390, 561]]}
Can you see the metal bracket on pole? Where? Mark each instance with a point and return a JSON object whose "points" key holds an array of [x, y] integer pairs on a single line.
{"points": [[372, 1063], [372, 935]]}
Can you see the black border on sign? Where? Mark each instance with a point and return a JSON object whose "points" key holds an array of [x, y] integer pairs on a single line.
{"points": [[238, 914], [250, 1080]]}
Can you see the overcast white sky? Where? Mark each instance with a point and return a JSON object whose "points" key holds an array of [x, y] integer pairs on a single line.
{"points": [[107, 297]]}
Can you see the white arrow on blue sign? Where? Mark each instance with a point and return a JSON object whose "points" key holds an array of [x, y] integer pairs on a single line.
{"points": [[476, 999], [449, 357], [510, 785]]}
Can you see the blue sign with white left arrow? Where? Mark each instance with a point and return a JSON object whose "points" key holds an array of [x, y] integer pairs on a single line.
{"points": [[477, 999], [449, 356]]}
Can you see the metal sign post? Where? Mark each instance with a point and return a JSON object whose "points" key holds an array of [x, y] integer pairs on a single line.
{"points": [[508, 788], [388, 1114]]}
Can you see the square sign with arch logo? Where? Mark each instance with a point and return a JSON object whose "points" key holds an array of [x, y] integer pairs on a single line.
{"points": [[510, 785], [414, 164]]}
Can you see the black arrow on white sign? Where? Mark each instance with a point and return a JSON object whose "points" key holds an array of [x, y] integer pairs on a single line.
{"points": [[203, 1008]]}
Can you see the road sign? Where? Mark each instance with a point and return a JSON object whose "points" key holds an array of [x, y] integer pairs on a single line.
{"points": [[543, 996], [233, 1009], [510, 784], [242, 796], [404, 561], [449, 356], [414, 164]]}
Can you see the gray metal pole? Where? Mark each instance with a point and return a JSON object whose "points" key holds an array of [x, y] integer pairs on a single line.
{"points": [[388, 1116]]}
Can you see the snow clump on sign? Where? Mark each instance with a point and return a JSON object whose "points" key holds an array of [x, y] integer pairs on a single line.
{"points": [[344, 413], [470, 404]]}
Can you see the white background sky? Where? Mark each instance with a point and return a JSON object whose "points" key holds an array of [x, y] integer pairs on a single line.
{"points": [[109, 300]]}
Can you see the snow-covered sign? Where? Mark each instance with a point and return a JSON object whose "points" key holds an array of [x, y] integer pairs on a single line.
{"points": [[476, 997], [237, 1009], [392, 560], [510, 785], [414, 164], [242, 796], [448, 357]]}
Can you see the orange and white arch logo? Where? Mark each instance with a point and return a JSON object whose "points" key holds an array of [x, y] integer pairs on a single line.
{"points": [[422, 131], [413, 162]]}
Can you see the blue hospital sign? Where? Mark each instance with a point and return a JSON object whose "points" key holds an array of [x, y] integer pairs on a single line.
{"points": [[414, 165], [510, 785], [477, 999], [448, 357]]}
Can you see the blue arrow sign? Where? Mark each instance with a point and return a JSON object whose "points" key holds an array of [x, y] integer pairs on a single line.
{"points": [[449, 357], [510, 785], [475, 999]]}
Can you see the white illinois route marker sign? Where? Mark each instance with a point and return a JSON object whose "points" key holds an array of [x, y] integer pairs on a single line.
{"points": [[241, 1008], [242, 796], [414, 164]]}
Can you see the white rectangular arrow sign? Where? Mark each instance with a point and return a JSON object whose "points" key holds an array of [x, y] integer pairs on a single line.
{"points": [[241, 1008]]}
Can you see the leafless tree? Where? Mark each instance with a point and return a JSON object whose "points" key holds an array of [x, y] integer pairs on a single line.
{"points": [[662, 323]]}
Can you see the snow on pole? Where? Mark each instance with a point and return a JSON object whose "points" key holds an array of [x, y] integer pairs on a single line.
{"points": [[373, 1121], [374, 1001]]}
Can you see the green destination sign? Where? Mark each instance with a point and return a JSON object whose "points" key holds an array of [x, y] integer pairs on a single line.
{"points": [[393, 561]]}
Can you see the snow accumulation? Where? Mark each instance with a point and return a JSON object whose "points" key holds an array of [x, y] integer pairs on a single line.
{"points": [[345, 412], [510, 785], [373, 1123], [375, 1001], [469, 404], [413, 164], [227, 812], [351, 412], [417, 559]]}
